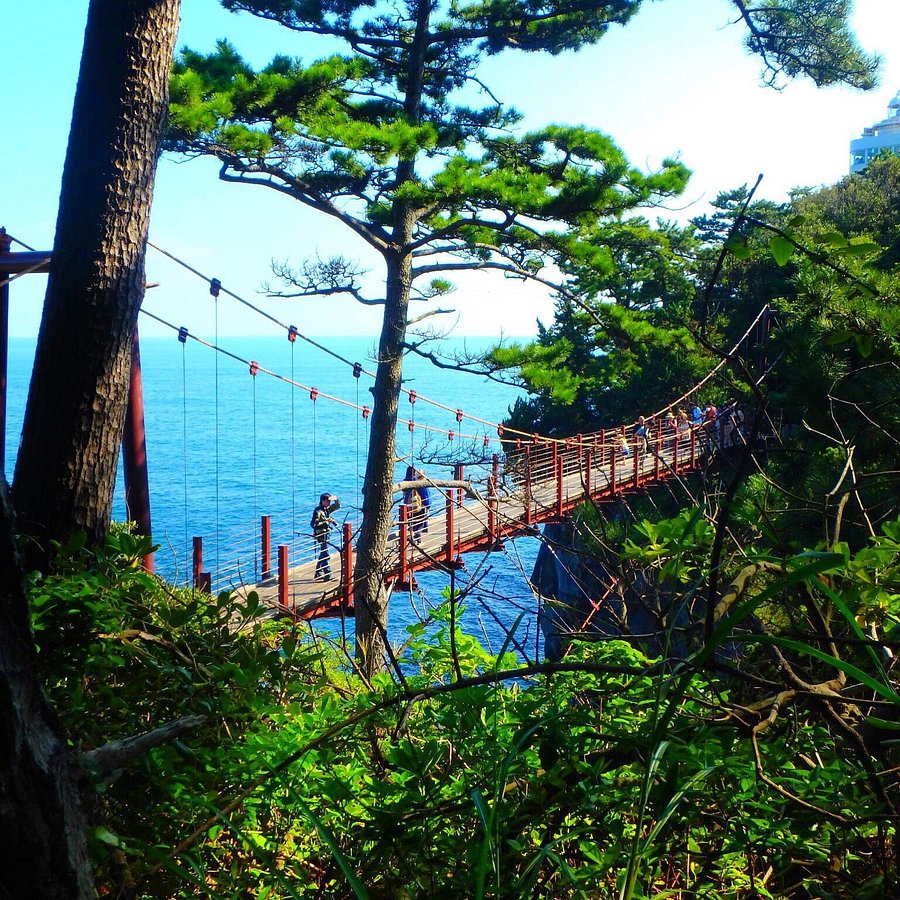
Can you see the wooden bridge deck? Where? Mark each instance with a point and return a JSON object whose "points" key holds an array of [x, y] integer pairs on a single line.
{"points": [[516, 507]]}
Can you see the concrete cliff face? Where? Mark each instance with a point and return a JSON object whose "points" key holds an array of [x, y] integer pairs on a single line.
{"points": [[571, 581]]}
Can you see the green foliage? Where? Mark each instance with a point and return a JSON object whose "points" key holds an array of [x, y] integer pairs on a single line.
{"points": [[810, 37], [677, 547], [614, 775]]}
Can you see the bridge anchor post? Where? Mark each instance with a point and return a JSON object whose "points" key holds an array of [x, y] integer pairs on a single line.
{"points": [[347, 567], [265, 564]]}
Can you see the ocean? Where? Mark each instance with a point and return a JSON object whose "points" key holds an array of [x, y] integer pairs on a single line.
{"points": [[225, 447]]}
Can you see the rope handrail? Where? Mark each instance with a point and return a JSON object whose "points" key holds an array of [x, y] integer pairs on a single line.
{"points": [[28, 271]]}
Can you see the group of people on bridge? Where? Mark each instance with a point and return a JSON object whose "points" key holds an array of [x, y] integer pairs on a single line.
{"points": [[723, 428]]}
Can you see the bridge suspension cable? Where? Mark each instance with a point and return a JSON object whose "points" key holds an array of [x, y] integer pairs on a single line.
{"points": [[316, 394], [357, 367]]}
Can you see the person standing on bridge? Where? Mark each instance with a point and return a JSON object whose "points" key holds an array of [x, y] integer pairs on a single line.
{"points": [[321, 524], [418, 504]]}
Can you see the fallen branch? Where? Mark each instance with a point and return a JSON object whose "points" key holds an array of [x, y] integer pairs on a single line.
{"points": [[108, 759]]}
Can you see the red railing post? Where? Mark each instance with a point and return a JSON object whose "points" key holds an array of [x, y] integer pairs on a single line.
{"points": [[555, 451], [266, 548], [638, 453], [347, 566], [283, 591], [693, 447], [492, 510], [450, 556], [495, 468], [197, 562], [404, 544], [660, 444], [675, 450], [612, 467], [559, 486], [588, 462], [527, 485]]}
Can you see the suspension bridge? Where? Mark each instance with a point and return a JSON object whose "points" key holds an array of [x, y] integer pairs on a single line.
{"points": [[511, 482]]}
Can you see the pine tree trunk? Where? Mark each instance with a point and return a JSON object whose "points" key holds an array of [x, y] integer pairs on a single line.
{"points": [[370, 595], [41, 828], [66, 467]]}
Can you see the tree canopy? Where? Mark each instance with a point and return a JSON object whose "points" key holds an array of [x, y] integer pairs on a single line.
{"points": [[400, 140]]}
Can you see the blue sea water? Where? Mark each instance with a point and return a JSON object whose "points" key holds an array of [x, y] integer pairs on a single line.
{"points": [[225, 447]]}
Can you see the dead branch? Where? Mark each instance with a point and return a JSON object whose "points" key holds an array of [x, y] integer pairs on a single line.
{"points": [[111, 757]]}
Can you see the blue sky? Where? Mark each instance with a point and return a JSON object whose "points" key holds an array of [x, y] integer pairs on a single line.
{"points": [[676, 81]]}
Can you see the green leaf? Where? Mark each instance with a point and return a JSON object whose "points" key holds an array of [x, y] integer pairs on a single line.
{"points": [[781, 248], [737, 247], [865, 248], [865, 343], [104, 835], [832, 239]]}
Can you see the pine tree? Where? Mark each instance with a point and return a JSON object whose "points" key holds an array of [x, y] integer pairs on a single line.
{"points": [[386, 138]]}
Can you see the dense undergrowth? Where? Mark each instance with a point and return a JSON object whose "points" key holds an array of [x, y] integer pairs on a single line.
{"points": [[761, 764]]}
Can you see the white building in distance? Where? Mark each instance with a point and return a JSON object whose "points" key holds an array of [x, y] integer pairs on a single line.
{"points": [[881, 136]]}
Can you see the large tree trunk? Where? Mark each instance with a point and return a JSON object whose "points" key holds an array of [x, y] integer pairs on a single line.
{"points": [[370, 594], [371, 597], [41, 829], [66, 467]]}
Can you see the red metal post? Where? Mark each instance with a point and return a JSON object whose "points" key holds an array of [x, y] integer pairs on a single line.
{"points": [[11, 263], [660, 444], [283, 586], [265, 564], [693, 448], [450, 556], [347, 566], [459, 475], [134, 452], [492, 509], [588, 462], [603, 448], [493, 499], [637, 452], [527, 485], [404, 544], [612, 467], [555, 451], [559, 486], [197, 561]]}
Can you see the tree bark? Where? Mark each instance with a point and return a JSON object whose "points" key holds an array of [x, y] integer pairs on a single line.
{"points": [[66, 467], [42, 831], [370, 594]]}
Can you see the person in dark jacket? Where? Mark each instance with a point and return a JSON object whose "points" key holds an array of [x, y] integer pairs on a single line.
{"points": [[321, 524]]}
